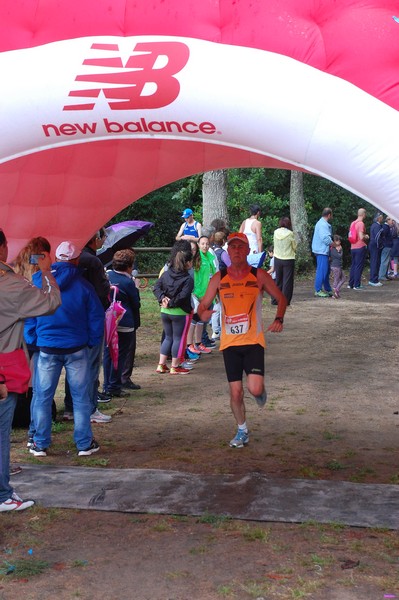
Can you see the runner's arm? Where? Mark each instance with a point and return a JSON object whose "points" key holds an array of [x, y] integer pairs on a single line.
{"points": [[268, 285]]}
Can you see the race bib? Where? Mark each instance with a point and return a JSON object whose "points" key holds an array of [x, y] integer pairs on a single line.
{"points": [[237, 324]]}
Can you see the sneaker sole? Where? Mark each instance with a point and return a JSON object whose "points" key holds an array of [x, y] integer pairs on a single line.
{"points": [[101, 421], [239, 446], [38, 453], [88, 452]]}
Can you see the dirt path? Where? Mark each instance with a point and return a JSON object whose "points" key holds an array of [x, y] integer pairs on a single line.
{"points": [[332, 383]]}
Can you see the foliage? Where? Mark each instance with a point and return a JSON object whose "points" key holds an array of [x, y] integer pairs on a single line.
{"points": [[270, 188]]}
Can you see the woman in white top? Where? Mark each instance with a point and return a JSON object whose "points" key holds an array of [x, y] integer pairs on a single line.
{"points": [[253, 230]]}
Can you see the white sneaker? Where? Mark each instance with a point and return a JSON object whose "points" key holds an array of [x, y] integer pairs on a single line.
{"points": [[99, 417], [15, 503]]}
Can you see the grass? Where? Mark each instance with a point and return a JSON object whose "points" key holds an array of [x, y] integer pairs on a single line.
{"points": [[22, 568]]}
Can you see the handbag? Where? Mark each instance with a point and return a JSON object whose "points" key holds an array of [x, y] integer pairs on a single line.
{"points": [[15, 371]]}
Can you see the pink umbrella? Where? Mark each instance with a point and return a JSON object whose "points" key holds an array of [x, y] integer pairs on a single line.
{"points": [[113, 315]]}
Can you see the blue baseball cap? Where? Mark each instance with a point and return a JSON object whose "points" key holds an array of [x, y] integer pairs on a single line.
{"points": [[187, 212]]}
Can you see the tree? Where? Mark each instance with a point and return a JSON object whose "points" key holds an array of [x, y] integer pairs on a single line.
{"points": [[300, 223], [214, 195]]}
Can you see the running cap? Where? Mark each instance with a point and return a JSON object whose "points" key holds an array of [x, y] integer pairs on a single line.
{"points": [[67, 251], [187, 212], [238, 236]]}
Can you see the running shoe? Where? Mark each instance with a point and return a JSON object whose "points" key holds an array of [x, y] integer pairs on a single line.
{"points": [[103, 397], [192, 355], [240, 440], [193, 349], [67, 416], [203, 349], [321, 294], [262, 399], [99, 417], [94, 447], [162, 369], [15, 503], [187, 364], [178, 371], [378, 284]]}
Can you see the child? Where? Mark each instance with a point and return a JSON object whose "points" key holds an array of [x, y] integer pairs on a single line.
{"points": [[336, 254], [271, 271]]}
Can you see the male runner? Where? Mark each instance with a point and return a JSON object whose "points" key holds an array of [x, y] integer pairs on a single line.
{"points": [[241, 288]]}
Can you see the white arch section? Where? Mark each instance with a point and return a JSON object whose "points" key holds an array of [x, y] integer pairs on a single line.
{"points": [[242, 100]]}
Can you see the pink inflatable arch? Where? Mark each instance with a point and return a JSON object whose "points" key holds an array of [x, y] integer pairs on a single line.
{"points": [[103, 102]]}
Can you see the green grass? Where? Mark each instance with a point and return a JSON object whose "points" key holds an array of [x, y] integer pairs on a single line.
{"points": [[22, 568]]}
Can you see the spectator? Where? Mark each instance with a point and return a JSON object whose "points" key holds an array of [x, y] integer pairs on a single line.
{"points": [[270, 253], [18, 300], [224, 261], [252, 228], [358, 251], [284, 257], [93, 271], [24, 267], [395, 248], [173, 292], [64, 340], [190, 230], [336, 255], [321, 242], [204, 267], [121, 276], [387, 244], [375, 248]]}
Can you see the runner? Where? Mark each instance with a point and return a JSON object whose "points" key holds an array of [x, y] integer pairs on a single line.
{"points": [[241, 289]]}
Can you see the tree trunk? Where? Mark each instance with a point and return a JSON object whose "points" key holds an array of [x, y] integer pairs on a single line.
{"points": [[214, 196], [300, 224]]}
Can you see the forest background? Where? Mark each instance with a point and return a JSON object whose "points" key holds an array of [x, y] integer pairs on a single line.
{"points": [[271, 189]]}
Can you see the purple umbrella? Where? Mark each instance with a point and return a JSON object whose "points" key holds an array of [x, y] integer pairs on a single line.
{"points": [[121, 236]]}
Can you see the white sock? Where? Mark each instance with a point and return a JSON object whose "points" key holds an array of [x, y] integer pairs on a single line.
{"points": [[243, 427]]}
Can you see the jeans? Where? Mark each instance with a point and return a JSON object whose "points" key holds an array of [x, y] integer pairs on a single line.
{"points": [[385, 258], [358, 259], [48, 372], [33, 366], [94, 357], [7, 408], [113, 377], [322, 278]]}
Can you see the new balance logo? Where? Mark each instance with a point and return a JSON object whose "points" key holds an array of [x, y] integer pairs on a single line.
{"points": [[146, 81]]}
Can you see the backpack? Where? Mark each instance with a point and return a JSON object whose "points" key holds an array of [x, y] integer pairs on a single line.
{"points": [[352, 235]]}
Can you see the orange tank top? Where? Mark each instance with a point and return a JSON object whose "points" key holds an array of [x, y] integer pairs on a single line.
{"points": [[241, 318]]}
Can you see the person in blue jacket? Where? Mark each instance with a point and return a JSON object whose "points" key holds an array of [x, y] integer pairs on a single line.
{"points": [[321, 242], [127, 293], [64, 339]]}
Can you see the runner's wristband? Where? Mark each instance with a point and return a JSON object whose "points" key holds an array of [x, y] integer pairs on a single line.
{"points": [[279, 319]]}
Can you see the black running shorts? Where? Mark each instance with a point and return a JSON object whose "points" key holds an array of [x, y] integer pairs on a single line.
{"points": [[249, 358]]}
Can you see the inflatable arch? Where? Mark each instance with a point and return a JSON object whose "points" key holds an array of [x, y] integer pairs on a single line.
{"points": [[103, 102]]}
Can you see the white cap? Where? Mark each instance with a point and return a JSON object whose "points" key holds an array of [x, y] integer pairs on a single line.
{"points": [[67, 251]]}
